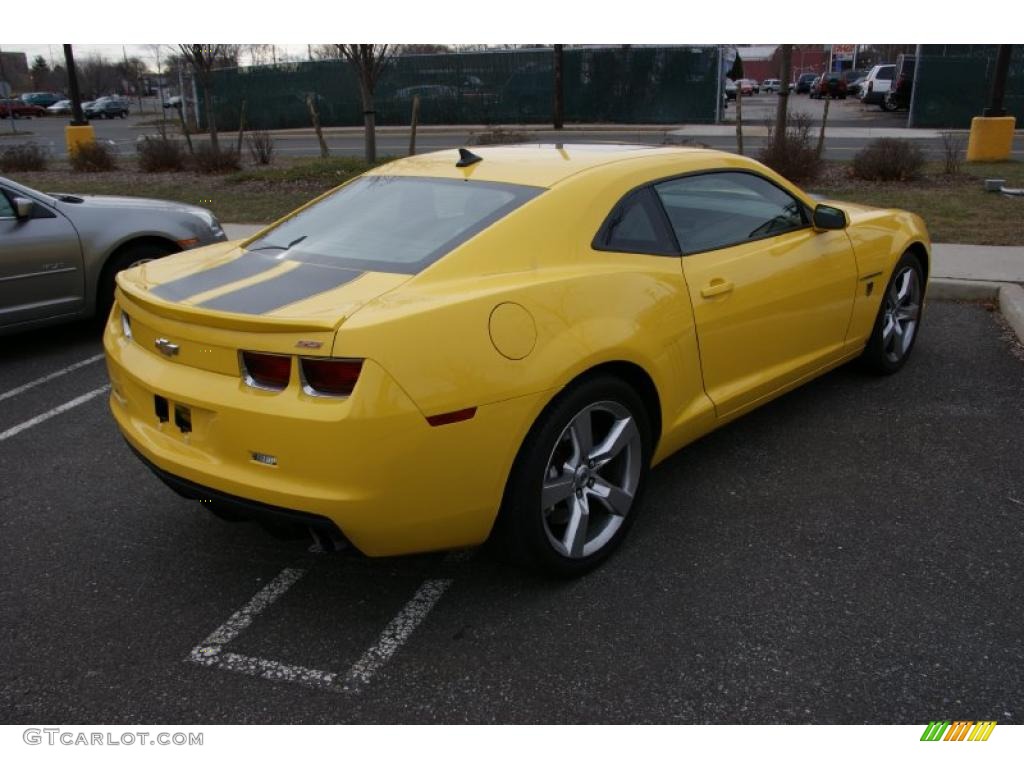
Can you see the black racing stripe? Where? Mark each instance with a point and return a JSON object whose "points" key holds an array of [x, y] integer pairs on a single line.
{"points": [[200, 282], [295, 285]]}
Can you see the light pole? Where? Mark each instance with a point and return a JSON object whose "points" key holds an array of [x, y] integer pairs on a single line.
{"points": [[79, 132]]}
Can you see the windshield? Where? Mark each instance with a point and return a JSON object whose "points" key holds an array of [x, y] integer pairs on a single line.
{"points": [[392, 223]]}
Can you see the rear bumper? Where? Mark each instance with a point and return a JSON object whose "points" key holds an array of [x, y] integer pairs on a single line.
{"points": [[370, 465]]}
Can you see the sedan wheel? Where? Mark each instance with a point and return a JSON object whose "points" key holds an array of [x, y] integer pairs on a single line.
{"points": [[576, 484]]}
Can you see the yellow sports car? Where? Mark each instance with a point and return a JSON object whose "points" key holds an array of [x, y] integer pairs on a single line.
{"points": [[456, 346]]}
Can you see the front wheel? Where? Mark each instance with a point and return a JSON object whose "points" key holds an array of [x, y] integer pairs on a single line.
{"points": [[575, 487], [899, 318]]}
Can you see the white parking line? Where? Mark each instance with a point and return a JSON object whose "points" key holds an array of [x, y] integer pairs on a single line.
{"points": [[210, 649], [50, 376], [397, 632], [211, 652], [53, 412]]}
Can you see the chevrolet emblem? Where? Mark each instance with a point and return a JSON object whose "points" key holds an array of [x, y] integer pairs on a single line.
{"points": [[166, 348]]}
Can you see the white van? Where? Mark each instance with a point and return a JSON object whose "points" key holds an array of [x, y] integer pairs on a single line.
{"points": [[877, 84]]}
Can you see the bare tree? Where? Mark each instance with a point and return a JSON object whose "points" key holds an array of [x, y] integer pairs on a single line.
{"points": [[204, 58], [368, 61], [782, 108]]}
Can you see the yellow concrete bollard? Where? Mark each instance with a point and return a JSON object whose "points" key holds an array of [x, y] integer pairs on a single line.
{"points": [[75, 135], [991, 139]]}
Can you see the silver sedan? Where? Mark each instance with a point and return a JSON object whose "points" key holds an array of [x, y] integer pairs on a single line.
{"points": [[59, 252]]}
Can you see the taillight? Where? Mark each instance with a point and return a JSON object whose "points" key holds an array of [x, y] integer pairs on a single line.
{"points": [[265, 371], [329, 377]]}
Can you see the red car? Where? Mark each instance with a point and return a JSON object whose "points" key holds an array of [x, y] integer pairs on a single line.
{"points": [[831, 85], [20, 109]]}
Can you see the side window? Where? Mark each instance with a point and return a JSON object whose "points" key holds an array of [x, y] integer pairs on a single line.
{"points": [[636, 225], [716, 210], [6, 209]]}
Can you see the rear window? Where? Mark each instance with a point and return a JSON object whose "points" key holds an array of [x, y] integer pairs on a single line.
{"points": [[392, 223], [886, 73]]}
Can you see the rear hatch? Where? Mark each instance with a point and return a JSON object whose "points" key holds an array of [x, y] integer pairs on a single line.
{"points": [[210, 303]]}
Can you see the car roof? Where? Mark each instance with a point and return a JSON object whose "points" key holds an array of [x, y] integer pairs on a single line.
{"points": [[538, 165]]}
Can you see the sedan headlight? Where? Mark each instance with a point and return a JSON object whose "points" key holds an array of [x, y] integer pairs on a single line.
{"points": [[211, 221]]}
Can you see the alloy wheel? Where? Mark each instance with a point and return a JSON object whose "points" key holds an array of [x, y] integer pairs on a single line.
{"points": [[591, 479], [901, 314]]}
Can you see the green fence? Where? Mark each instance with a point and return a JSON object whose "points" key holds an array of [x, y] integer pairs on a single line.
{"points": [[625, 84], [954, 84]]}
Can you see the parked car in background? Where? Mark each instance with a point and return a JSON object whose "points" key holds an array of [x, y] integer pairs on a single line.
{"points": [[62, 107], [59, 253], [803, 83], [107, 107], [900, 91], [41, 98], [20, 109], [745, 86], [831, 85], [730, 89], [854, 88], [877, 84], [173, 102], [771, 85]]}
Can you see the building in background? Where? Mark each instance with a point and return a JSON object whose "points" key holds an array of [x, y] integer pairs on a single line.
{"points": [[14, 70]]}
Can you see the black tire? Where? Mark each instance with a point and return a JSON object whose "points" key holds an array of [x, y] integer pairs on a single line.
{"points": [[885, 353], [523, 531], [123, 259]]}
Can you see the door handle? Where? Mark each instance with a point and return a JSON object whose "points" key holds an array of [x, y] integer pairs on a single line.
{"points": [[716, 287]]}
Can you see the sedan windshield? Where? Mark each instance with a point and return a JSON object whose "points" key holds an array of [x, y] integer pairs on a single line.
{"points": [[392, 223]]}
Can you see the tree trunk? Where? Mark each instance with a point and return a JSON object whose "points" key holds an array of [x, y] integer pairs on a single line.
{"points": [[559, 105], [824, 119], [739, 119], [184, 127], [315, 117], [412, 126], [782, 108], [241, 126], [369, 123], [211, 121]]}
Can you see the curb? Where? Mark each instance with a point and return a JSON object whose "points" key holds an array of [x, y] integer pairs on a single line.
{"points": [[1009, 296], [1011, 304]]}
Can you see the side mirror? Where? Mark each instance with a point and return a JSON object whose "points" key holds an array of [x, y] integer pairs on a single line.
{"points": [[23, 207], [827, 217]]}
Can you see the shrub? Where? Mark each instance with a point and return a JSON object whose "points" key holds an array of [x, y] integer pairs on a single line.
{"points": [[23, 157], [261, 147], [96, 156], [793, 154], [159, 153], [888, 160], [210, 160], [953, 145]]}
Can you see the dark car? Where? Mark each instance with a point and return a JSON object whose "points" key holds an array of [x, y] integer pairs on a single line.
{"points": [[902, 86], [19, 108], [831, 85], [854, 87], [107, 107], [803, 83], [41, 98]]}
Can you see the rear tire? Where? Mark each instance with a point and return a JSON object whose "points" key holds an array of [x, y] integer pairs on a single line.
{"points": [[571, 497], [899, 318]]}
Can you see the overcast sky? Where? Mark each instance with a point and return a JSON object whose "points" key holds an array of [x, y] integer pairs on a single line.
{"points": [[55, 53]]}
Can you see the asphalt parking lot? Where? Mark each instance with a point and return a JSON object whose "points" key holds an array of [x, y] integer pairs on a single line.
{"points": [[850, 553]]}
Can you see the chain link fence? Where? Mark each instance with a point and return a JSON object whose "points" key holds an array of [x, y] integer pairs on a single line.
{"points": [[623, 84]]}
